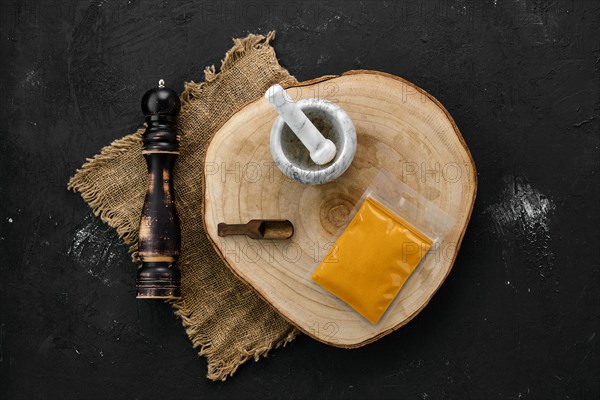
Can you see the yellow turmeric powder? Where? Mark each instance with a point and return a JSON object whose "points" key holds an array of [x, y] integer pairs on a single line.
{"points": [[372, 259]]}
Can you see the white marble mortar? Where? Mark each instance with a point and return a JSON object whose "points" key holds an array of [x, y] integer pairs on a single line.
{"points": [[293, 159]]}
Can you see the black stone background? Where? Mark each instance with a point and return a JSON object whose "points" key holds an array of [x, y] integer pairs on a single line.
{"points": [[518, 317]]}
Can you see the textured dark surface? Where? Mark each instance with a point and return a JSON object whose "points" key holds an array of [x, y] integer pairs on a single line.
{"points": [[518, 317]]}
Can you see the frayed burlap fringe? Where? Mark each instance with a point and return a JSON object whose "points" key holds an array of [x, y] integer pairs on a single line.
{"points": [[240, 48], [113, 184], [221, 369], [95, 198]]}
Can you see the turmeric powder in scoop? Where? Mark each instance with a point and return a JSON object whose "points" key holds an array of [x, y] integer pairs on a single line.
{"points": [[372, 259]]}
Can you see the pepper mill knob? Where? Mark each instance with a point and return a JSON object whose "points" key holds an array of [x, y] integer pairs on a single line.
{"points": [[159, 235], [161, 100]]}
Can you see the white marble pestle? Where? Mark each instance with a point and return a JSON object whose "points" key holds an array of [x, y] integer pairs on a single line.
{"points": [[321, 150]]}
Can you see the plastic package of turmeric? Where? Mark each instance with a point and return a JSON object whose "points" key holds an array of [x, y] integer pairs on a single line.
{"points": [[391, 231]]}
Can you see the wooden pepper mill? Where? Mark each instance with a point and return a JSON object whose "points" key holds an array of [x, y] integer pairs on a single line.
{"points": [[159, 237]]}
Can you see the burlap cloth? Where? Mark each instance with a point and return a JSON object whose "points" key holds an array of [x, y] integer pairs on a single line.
{"points": [[222, 316]]}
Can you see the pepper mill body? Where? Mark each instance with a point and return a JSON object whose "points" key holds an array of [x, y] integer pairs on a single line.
{"points": [[159, 235]]}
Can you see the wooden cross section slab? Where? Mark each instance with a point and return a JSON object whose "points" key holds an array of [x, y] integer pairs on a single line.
{"points": [[400, 129]]}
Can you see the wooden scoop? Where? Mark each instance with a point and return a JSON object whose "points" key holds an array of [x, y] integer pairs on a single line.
{"points": [[276, 229]]}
